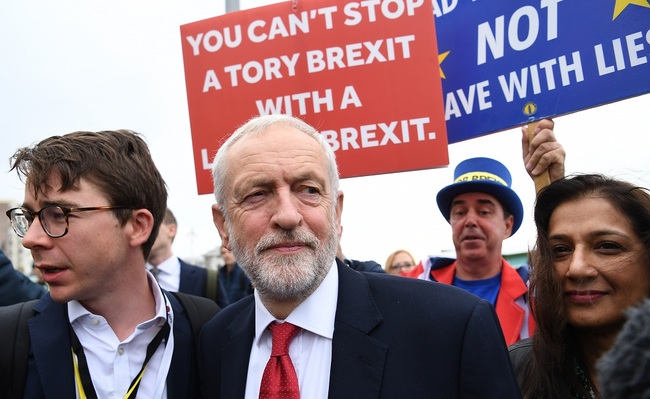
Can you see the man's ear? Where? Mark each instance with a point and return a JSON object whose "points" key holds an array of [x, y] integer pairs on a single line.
{"points": [[172, 230], [140, 225], [220, 223], [339, 212], [510, 222]]}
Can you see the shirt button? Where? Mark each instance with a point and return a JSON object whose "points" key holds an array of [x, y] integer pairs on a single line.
{"points": [[96, 322], [120, 351]]}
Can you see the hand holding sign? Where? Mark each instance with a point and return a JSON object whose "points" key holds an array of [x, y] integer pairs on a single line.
{"points": [[543, 154]]}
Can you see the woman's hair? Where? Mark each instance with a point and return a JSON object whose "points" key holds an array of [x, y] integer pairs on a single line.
{"points": [[554, 342]]}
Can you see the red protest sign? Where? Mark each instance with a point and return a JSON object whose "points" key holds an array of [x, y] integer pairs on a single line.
{"points": [[365, 74]]}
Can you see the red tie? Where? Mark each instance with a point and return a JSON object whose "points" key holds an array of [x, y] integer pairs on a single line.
{"points": [[279, 379]]}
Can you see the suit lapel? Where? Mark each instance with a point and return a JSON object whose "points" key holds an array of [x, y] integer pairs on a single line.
{"points": [[178, 379], [357, 359], [511, 314], [236, 353], [50, 345]]}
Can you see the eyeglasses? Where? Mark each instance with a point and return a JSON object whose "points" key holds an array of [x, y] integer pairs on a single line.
{"points": [[53, 218], [400, 266]]}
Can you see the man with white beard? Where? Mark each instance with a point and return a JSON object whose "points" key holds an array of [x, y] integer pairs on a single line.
{"points": [[352, 335]]}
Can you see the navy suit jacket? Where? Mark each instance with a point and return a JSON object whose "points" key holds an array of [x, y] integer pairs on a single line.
{"points": [[15, 287], [50, 372], [394, 337], [193, 282]]}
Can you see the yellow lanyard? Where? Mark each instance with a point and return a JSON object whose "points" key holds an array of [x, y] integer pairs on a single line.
{"points": [[82, 374], [80, 387]]}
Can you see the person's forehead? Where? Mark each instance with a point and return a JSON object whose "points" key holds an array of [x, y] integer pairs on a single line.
{"points": [[402, 255], [587, 207], [475, 197], [281, 145], [275, 134], [50, 191]]}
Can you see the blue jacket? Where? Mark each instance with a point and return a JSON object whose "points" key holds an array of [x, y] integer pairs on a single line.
{"points": [[364, 265], [236, 283], [15, 287], [193, 282]]}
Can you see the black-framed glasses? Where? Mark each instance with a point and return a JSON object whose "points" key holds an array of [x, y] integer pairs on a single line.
{"points": [[53, 218]]}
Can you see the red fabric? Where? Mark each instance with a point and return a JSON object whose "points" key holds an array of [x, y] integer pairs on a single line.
{"points": [[511, 316], [279, 380], [415, 272]]}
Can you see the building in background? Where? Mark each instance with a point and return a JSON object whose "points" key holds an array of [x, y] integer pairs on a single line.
{"points": [[517, 259], [11, 244], [212, 259]]}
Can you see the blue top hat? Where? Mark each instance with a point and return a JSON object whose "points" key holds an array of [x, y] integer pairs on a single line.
{"points": [[482, 175]]}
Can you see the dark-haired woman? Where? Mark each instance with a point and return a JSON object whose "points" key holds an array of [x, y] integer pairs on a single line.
{"points": [[591, 262]]}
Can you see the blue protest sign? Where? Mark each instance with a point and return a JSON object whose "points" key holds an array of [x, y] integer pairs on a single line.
{"points": [[505, 63]]}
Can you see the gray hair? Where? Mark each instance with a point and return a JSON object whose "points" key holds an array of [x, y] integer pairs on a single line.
{"points": [[257, 125]]}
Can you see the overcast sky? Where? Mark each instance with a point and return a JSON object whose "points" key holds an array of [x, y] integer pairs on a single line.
{"points": [[81, 65]]}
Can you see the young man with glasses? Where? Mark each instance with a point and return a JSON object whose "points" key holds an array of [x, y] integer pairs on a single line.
{"points": [[92, 208]]}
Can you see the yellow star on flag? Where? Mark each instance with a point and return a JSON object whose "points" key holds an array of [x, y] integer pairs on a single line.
{"points": [[441, 57], [621, 4]]}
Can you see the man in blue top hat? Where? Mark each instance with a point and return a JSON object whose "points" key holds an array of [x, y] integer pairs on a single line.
{"points": [[483, 210]]}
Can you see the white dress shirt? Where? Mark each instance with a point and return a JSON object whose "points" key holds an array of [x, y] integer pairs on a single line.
{"points": [[169, 274], [310, 351], [114, 364]]}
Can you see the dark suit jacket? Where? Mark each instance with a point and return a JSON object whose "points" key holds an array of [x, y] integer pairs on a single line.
{"points": [[393, 338], [193, 282], [236, 283], [15, 287], [364, 265], [50, 371]]}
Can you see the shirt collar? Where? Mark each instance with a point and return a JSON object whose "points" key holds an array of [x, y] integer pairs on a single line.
{"points": [[170, 266], [315, 314], [163, 310]]}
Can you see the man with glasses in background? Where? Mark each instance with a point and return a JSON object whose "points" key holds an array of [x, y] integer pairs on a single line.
{"points": [[92, 208]]}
